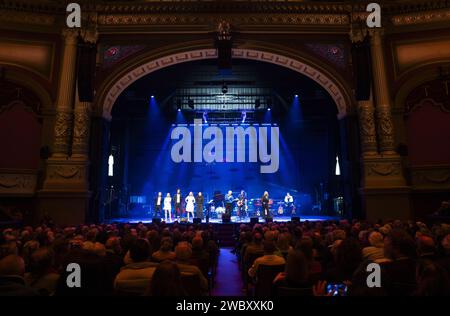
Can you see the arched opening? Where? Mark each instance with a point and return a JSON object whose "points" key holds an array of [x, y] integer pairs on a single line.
{"points": [[149, 113], [121, 81]]}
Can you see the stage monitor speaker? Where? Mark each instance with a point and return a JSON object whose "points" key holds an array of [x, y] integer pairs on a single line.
{"points": [[86, 63], [197, 220], [226, 218], [156, 220], [362, 69], [269, 219], [254, 220], [295, 219]]}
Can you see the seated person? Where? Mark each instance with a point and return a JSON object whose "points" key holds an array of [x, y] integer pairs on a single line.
{"points": [[296, 273], [200, 257], [374, 252], [400, 248], [135, 276], [165, 251], [183, 253], [269, 258], [12, 269], [166, 281], [42, 277]]}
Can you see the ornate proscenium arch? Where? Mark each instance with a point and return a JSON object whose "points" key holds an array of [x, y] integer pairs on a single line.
{"points": [[126, 80]]}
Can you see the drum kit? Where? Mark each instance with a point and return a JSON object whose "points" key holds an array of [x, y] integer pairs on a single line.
{"points": [[216, 207]]}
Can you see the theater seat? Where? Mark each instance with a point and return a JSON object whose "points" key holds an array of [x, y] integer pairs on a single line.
{"points": [[191, 284], [264, 279]]}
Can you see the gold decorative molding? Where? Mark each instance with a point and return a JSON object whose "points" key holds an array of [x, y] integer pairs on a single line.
{"points": [[214, 19], [17, 182], [382, 172], [66, 174], [296, 65], [10, 16], [430, 176], [442, 15]]}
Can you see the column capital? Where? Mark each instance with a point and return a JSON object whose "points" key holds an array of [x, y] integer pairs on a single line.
{"points": [[90, 35], [376, 35], [70, 36], [357, 35]]}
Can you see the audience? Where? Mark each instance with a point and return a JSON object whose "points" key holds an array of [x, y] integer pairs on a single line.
{"points": [[157, 259]]}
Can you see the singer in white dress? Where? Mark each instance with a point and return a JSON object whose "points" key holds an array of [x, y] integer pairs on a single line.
{"points": [[168, 207], [190, 200]]}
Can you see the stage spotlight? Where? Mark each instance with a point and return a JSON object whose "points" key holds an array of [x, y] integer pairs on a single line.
{"points": [[257, 103], [191, 103], [179, 105], [205, 117], [179, 110], [244, 116], [268, 109], [152, 96]]}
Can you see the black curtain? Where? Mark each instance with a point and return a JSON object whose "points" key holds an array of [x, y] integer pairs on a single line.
{"points": [[86, 60]]}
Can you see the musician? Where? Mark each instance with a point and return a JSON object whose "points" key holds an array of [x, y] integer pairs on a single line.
{"points": [[265, 204], [158, 205], [177, 203], [199, 201], [190, 200], [168, 207], [242, 201], [289, 202], [229, 199]]}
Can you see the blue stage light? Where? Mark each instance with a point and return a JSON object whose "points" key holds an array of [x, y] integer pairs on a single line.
{"points": [[296, 96], [152, 96], [268, 109]]}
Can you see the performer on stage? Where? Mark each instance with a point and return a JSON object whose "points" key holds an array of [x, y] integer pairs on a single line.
{"points": [[199, 201], [190, 200], [177, 204], [168, 207], [265, 204], [242, 204], [289, 203], [158, 205], [229, 199]]}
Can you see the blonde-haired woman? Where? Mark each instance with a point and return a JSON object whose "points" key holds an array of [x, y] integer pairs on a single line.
{"points": [[168, 207]]}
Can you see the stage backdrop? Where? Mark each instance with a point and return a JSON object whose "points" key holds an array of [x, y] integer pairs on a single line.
{"points": [[159, 154]]}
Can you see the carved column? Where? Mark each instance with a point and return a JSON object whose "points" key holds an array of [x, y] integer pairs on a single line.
{"points": [[381, 90], [64, 102], [367, 127], [82, 121]]}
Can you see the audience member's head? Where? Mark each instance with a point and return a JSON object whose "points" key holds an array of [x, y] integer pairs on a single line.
{"points": [[197, 243], [376, 240], [425, 245], [183, 251], [166, 280], [269, 247], [399, 244], [140, 250], [12, 265], [113, 245]]}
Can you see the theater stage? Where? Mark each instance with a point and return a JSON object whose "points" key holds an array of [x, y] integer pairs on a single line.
{"points": [[234, 219]]}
